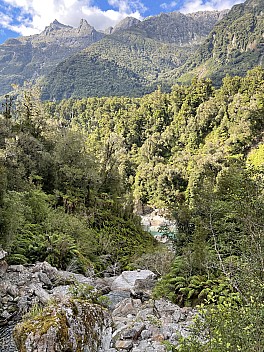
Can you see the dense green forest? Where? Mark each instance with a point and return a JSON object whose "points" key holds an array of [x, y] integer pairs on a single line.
{"points": [[72, 171]]}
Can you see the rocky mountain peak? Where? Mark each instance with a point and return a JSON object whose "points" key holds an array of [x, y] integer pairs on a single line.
{"points": [[126, 23], [178, 28], [85, 28], [55, 26], [204, 15]]}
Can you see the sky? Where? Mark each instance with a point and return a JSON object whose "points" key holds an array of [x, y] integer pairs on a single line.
{"points": [[27, 17]]}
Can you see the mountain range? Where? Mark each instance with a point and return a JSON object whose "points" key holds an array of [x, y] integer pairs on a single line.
{"points": [[136, 56]]}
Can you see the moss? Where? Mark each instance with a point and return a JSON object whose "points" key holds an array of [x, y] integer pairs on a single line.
{"points": [[40, 324], [77, 323]]}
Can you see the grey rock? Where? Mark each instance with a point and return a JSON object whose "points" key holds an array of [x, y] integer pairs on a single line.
{"points": [[71, 278], [43, 277], [43, 295], [126, 23], [83, 323], [168, 311], [7, 343], [3, 254], [130, 334], [23, 304], [124, 345], [12, 290], [127, 307], [3, 267], [17, 268], [5, 314], [147, 346], [60, 291], [116, 297], [27, 58], [127, 280], [138, 325], [158, 348], [133, 333], [118, 331], [45, 267], [146, 334]]}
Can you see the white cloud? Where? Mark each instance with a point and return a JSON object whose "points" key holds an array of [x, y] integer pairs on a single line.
{"points": [[198, 5], [32, 16], [169, 6], [127, 6]]}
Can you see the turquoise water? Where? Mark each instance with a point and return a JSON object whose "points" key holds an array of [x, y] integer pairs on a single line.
{"points": [[155, 233]]}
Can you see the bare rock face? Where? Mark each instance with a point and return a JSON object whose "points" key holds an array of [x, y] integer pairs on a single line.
{"points": [[126, 24], [72, 325]]}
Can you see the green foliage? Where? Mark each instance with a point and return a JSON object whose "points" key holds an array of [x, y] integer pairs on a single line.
{"points": [[226, 327], [88, 293], [57, 249], [192, 290], [256, 157], [234, 46], [35, 310], [169, 347], [132, 63], [196, 151]]}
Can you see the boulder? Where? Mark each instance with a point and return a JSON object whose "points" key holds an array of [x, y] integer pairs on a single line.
{"points": [[127, 307], [168, 312], [128, 280], [3, 254], [72, 325], [38, 291]]}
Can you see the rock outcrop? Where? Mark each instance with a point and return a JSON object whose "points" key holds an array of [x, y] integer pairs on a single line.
{"points": [[126, 23], [71, 325], [23, 288], [56, 319]]}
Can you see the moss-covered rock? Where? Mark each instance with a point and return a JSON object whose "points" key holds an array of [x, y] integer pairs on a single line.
{"points": [[72, 325]]}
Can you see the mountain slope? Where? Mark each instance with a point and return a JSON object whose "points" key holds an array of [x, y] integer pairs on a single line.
{"points": [[26, 58], [142, 55], [235, 45]]}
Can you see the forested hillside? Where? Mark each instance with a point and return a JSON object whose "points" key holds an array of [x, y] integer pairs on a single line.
{"points": [[136, 57], [132, 61], [71, 172], [234, 45], [129, 59], [163, 50]]}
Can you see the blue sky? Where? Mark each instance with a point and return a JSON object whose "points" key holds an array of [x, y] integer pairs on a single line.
{"points": [[27, 17]]}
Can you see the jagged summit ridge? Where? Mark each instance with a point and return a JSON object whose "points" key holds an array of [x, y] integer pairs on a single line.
{"points": [[60, 30], [136, 56], [55, 26], [30, 57]]}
